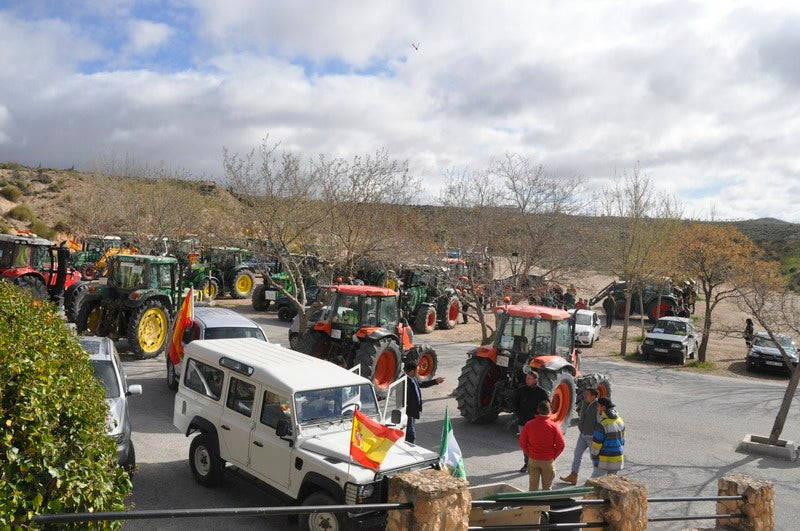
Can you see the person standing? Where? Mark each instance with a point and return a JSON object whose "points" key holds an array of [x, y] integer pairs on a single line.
{"points": [[525, 401], [609, 307], [749, 333], [414, 398], [608, 441], [587, 422], [542, 441]]}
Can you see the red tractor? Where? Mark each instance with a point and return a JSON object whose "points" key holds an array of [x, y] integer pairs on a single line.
{"points": [[37, 265], [361, 326], [538, 337]]}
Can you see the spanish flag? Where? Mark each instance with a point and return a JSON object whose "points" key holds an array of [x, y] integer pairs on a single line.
{"points": [[182, 321], [370, 441]]}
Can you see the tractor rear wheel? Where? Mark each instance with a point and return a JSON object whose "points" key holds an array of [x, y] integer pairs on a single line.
{"points": [[657, 310], [72, 305], [32, 284], [314, 343], [475, 390], [561, 388], [89, 272], [425, 320], [449, 314], [588, 381], [260, 304], [148, 329], [243, 284], [90, 318], [380, 363]]}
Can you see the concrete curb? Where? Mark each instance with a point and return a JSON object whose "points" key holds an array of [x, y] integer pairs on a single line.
{"points": [[756, 444]]}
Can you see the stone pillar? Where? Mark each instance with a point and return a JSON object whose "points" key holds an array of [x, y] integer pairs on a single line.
{"points": [[440, 501], [626, 504], [758, 505]]}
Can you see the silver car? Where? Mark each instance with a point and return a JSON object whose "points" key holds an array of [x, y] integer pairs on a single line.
{"points": [[109, 372], [213, 323]]}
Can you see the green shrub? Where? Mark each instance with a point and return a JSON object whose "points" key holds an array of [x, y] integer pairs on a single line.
{"points": [[62, 226], [707, 365], [5, 228], [11, 192], [22, 212], [11, 166], [56, 455], [40, 228]]}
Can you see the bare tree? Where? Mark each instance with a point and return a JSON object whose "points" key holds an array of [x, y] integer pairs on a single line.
{"points": [[763, 291], [638, 251]]}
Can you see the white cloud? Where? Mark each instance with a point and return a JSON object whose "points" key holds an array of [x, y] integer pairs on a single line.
{"points": [[701, 94]]}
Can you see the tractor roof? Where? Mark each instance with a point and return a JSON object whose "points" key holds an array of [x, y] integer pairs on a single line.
{"points": [[24, 239], [358, 289], [532, 312]]}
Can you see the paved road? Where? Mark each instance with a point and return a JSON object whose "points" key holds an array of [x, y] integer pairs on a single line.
{"points": [[682, 433]]}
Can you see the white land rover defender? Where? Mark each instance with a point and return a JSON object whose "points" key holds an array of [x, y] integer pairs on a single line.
{"points": [[285, 418]]}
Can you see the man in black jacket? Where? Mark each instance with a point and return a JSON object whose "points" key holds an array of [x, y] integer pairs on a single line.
{"points": [[525, 401], [414, 398]]}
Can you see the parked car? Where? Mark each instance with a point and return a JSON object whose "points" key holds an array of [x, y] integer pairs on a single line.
{"points": [[213, 323], [109, 372], [764, 353], [294, 329], [671, 337], [587, 327]]}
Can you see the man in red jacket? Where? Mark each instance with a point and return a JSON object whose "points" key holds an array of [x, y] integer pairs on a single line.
{"points": [[542, 441]]}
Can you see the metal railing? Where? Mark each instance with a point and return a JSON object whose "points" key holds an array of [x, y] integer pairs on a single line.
{"points": [[67, 518]]}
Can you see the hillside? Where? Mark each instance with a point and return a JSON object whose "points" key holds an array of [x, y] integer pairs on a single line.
{"points": [[60, 204]]}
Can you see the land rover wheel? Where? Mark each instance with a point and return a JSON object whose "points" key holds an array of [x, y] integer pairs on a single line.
{"points": [[321, 521], [561, 388], [260, 303], [476, 389], [207, 466], [425, 320], [380, 363], [243, 284], [172, 375], [148, 329]]}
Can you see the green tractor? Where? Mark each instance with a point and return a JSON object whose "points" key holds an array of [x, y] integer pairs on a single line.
{"points": [[137, 302], [426, 300], [223, 270]]}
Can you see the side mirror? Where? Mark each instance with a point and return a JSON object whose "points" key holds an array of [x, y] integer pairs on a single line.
{"points": [[397, 416], [134, 389], [187, 335], [283, 428]]}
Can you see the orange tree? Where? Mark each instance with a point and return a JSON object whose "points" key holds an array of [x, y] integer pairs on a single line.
{"points": [[717, 257]]}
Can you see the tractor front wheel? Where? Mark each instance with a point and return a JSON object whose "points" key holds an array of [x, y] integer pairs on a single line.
{"points": [[476, 389], [657, 310], [89, 318], [561, 388], [380, 362], [286, 314], [148, 329], [315, 344], [243, 284], [72, 305], [260, 303], [209, 287], [427, 363]]}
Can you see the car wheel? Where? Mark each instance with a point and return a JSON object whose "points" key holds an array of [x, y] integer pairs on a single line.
{"points": [[207, 466]]}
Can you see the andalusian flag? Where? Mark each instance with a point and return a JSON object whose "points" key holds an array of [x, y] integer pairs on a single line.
{"points": [[450, 458], [182, 321], [370, 441]]}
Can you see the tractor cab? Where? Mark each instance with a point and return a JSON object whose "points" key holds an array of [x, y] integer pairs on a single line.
{"points": [[357, 310], [32, 263], [131, 273]]}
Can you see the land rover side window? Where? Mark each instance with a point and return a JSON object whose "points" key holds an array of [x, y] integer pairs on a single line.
{"points": [[204, 379], [240, 397], [275, 407]]}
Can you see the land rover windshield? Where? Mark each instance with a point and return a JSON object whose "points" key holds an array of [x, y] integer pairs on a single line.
{"points": [[334, 404]]}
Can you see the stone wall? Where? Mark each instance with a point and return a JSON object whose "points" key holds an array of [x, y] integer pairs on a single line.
{"points": [[758, 507], [627, 506], [440, 501]]}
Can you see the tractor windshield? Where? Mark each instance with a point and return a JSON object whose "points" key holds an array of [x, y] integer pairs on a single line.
{"points": [[127, 275], [536, 336], [380, 311]]}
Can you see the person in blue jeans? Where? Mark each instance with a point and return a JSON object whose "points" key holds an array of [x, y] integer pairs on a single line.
{"points": [[587, 422], [414, 398]]}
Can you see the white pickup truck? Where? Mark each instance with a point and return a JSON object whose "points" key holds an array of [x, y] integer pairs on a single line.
{"points": [[286, 418]]}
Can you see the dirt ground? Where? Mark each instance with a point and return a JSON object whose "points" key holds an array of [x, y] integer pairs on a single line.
{"points": [[726, 348]]}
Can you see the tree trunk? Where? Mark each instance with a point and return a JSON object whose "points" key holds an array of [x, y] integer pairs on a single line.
{"points": [[624, 343], [783, 411], [701, 352]]}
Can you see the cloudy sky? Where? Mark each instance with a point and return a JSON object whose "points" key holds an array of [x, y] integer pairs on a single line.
{"points": [[702, 94]]}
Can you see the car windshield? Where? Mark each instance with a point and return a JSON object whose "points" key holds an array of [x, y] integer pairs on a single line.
{"points": [[233, 332], [107, 376], [763, 341], [670, 327], [583, 319], [334, 403]]}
